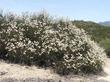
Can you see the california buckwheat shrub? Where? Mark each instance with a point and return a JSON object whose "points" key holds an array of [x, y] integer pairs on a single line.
{"points": [[39, 40], [18, 48], [79, 53]]}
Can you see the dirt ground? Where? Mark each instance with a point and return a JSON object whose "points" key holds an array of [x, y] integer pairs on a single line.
{"points": [[18, 73]]}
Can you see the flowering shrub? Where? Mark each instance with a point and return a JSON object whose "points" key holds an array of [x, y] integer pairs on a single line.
{"points": [[39, 40]]}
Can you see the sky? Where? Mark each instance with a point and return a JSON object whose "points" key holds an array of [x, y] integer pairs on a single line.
{"points": [[88, 10]]}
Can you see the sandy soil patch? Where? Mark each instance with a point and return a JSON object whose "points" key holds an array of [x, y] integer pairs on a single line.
{"points": [[24, 72]]}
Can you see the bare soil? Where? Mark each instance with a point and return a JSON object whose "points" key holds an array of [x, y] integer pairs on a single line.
{"points": [[19, 73]]}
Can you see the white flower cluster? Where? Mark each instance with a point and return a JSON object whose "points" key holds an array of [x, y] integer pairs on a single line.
{"points": [[28, 38]]}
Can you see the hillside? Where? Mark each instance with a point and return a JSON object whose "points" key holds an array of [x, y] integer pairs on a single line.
{"points": [[105, 23], [99, 33]]}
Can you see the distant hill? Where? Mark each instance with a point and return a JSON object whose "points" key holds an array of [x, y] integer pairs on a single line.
{"points": [[98, 32], [105, 23]]}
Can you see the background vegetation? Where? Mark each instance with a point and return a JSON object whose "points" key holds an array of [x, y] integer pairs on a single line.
{"points": [[99, 33]]}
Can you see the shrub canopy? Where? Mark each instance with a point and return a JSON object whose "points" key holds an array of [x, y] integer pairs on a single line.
{"points": [[40, 40]]}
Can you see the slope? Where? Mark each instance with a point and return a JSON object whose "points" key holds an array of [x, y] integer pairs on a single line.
{"points": [[99, 33]]}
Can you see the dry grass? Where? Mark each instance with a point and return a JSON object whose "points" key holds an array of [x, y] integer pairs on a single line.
{"points": [[14, 73]]}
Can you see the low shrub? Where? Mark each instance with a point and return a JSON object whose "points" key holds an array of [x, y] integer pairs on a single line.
{"points": [[39, 40]]}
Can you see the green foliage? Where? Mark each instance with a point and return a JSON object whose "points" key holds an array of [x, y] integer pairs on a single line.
{"points": [[98, 33], [108, 52], [39, 40]]}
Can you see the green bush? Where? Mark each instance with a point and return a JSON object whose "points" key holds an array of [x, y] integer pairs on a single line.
{"points": [[39, 40], [108, 52]]}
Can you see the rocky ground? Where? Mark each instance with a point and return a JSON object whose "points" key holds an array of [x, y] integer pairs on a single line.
{"points": [[18, 73]]}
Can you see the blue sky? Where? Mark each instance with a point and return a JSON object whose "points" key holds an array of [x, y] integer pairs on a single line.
{"points": [[92, 10]]}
